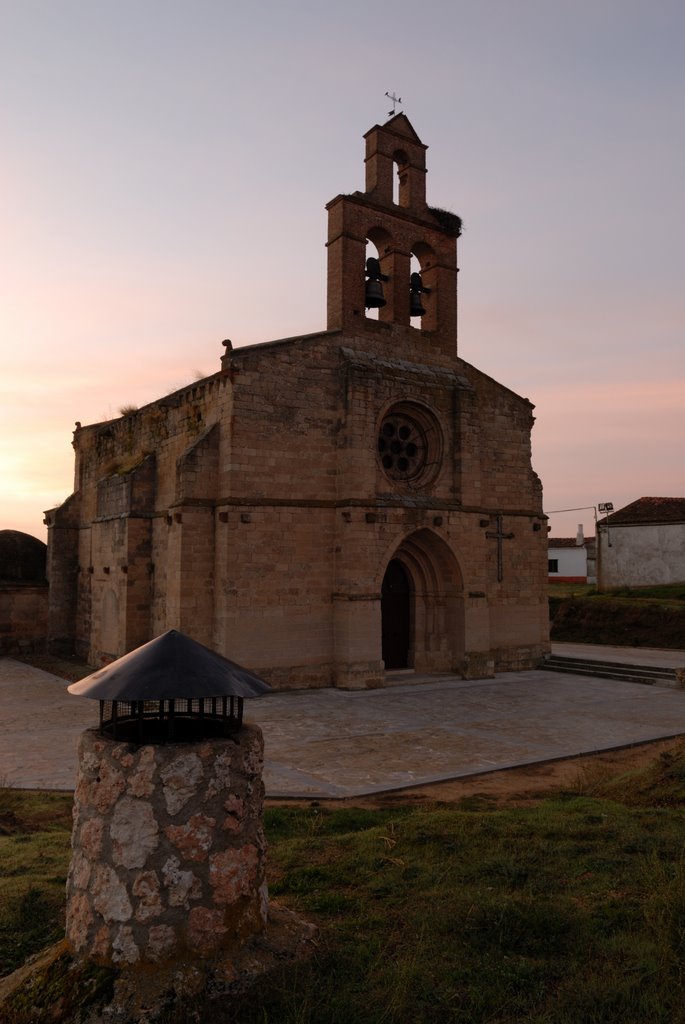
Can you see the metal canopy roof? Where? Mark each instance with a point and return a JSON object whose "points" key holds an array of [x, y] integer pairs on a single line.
{"points": [[169, 667]]}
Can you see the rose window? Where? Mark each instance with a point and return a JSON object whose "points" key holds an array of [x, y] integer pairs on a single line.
{"points": [[402, 447]]}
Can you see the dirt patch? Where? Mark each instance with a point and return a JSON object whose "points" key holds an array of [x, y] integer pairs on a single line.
{"points": [[511, 786]]}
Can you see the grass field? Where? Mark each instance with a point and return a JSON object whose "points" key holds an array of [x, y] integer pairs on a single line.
{"points": [[35, 830], [569, 910]]}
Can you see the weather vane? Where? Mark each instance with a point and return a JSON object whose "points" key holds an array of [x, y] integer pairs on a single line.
{"points": [[395, 99]]}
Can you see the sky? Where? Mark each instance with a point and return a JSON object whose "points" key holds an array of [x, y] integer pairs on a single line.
{"points": [[165, 166]]}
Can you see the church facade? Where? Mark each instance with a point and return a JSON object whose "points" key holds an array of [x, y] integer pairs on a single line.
{"points": [[331, 509]]}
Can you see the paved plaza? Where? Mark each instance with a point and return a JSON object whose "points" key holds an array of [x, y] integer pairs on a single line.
{"points": [[335, 743]]}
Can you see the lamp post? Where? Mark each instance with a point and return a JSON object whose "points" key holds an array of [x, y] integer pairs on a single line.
{"points": [[607, 507]]}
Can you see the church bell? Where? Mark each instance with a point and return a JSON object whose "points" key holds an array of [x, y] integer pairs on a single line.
{"points": [[416, 307], [374, 289]]}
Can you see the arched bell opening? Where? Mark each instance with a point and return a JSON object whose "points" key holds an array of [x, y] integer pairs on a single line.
{"points": [[422, 280], [434, 596], [417, 291], [377, 269], [374, 295], [400, 162]]}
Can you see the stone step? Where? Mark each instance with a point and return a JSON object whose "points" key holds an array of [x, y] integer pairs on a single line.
{"points": [[656, 670], [649, 675], [408, 677]]}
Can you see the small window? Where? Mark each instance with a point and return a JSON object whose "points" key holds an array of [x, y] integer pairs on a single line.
{"points": [[552, 565]]}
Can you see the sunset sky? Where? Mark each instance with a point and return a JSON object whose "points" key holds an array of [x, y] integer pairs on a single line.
{"points": [[164, 171]]}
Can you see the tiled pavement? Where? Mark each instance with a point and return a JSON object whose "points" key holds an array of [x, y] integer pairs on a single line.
{"points": [[335, 743]]}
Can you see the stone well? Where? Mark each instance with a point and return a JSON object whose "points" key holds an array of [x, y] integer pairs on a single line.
{"points": [[168, 849]]}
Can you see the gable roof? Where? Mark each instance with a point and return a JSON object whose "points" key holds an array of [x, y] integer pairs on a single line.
{"points": [[399, 125], [564, 542], [648, 510]]}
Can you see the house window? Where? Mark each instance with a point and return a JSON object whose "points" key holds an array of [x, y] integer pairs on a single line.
{"points": [[552, 565]]}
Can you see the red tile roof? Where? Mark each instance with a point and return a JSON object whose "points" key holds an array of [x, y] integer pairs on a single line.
{"points": [[649, 510]]}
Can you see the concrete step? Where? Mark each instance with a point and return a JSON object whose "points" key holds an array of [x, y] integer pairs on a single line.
{"points": [[649, 675]]}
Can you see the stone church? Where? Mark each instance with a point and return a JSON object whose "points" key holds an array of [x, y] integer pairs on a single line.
{"points": [[328, 510]]}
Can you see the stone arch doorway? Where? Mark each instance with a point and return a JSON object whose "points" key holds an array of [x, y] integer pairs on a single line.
{"points": [[396, 615], [422, 606]]}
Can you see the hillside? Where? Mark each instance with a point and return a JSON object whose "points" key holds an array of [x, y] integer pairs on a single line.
{"points": [[631, 617]]}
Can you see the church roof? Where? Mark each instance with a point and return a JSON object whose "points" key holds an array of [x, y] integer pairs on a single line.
{"points": [[22, 557], [648, 510]]}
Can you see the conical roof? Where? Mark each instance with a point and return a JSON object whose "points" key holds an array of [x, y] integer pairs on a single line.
{"points": [[170, 667]]}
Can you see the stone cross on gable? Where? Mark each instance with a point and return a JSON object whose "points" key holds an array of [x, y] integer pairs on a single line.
{"points": [[499, 535]]}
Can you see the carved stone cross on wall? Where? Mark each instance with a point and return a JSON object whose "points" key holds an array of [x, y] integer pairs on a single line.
{"points": [[499, 535]]}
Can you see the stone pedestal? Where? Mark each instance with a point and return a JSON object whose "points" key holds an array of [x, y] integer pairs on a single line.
{"points": [[168, 850]]}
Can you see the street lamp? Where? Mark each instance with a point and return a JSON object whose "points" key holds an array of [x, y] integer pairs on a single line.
{"points": [[607, 507]]}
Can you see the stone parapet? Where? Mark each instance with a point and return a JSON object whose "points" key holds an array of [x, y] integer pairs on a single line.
{"points": [[169, 853]]}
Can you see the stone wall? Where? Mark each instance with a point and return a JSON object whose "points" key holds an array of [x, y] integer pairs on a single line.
{"points": [[260, 532], [642, 554], [23, 617], [168, 849]]}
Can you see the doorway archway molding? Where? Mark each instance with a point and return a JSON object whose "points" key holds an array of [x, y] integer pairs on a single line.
{"points": [[437, 626]]}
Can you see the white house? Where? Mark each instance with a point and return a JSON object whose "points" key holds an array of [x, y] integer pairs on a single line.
{"points": [[643, 543], [571, 559]]}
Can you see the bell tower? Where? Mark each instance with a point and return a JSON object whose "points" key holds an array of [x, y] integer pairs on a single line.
{"points": [[395, 217]]}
